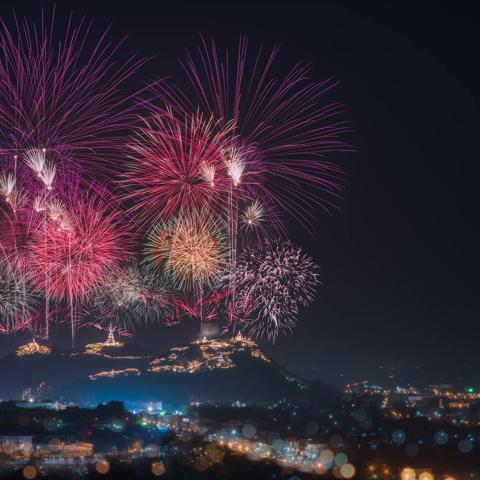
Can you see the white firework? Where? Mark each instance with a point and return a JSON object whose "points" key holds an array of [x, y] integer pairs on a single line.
{"points": [[7, 184], [234, 158], [58, 214], [17, 301], [272, 284], [208, 173], [56, 210], [48, 174], [18, 198], [253, 215], [35, 158], [39, 204]]}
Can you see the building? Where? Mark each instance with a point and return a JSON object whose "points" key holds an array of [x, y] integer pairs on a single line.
{"points": [[16, 443], [65, 449], [77, 449]]}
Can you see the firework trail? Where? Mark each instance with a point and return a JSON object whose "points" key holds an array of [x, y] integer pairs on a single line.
{"points": [[235, 159], [61, 95], [25, 189], [272, 284]]}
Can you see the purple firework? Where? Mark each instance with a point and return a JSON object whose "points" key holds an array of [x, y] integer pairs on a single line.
{"points": [[60, 95]]}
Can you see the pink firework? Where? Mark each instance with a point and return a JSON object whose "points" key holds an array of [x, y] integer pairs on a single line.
{"points": [[84, 238], [286, 123], [61, 95], [176, 165]]}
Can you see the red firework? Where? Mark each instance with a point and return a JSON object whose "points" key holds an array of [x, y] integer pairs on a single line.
{"points": [[83, 239], [285, 123], [177, 165], [61, 95]]}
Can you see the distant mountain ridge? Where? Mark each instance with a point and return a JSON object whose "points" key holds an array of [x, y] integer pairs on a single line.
{"points": [[219, 370]]}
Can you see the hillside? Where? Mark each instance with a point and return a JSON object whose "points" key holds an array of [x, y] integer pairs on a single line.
{"points": [[206, 370]]}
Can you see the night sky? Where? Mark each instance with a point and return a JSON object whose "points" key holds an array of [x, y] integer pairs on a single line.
{"points": [[400, 259]]}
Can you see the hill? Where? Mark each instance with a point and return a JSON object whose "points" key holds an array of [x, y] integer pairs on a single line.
{"points": [[218, 370]]}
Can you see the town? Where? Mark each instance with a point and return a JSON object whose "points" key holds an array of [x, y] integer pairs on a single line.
{"points": [[372, 433]]}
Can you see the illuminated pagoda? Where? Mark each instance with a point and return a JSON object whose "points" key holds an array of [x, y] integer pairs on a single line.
{"points": [[111, 342], [32, 348], [206, 355], [97, 348]]}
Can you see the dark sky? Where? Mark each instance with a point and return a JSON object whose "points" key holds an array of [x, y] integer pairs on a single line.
{"points": [[400, 261]]}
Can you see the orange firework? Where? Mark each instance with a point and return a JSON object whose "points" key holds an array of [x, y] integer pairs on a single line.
{"points": [[191, 248]]}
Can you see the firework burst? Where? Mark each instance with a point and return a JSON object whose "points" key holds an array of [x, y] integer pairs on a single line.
{"points": [[132, 295], [210, 174], [17, 230], [174, 164], [190, 249], [35, 159], [82, 240], [253, 216], [272, 284], [7, 184], [59, 96], [17, 301], [287, 125]]}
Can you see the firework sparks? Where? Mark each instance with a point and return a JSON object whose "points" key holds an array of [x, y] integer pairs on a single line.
{"points": [[196, 251], [190, 248], [235, 161], [285, 121], [172, 159], [83, 239], [56, 209], [253, 215], [18, 199], [17, 301], [272, 284], [132, 295], [159, 243], [39, 204], [208, 173], [63, 96], [35, 159], [17, 230], [7, 184], [48, 175]]}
